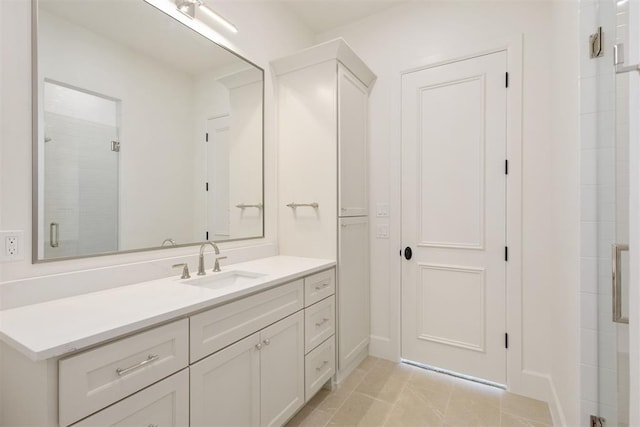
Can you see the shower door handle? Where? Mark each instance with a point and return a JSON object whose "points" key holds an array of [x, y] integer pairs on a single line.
{"points": [[54, 234], [616, 281]]}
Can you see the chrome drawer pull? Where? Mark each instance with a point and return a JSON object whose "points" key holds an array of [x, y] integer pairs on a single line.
{"points": [[325, 363], [125, 371], [322, 322], [324, 285]]}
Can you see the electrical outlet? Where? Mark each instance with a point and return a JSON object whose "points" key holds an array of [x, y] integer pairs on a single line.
{"points": [[12, 242]]}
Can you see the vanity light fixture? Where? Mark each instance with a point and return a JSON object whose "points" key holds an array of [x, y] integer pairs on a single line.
{"points": [[188, 7]]}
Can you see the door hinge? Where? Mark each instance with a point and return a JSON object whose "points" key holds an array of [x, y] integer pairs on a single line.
{"points": [[206, 235], [506, 253], [506, 79], [206, 137], [506, 340], [115, 146], [206, 186], [597, 421], [506, 167]]}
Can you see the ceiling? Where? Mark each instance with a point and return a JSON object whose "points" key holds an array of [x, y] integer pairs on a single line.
{"points": [[323, 15]]}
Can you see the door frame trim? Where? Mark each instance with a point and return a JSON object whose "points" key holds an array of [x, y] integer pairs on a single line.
{"points": [[513, 46]]}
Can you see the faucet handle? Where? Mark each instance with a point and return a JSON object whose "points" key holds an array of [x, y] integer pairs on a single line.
{"points": [[185, 270], [216, 264]]}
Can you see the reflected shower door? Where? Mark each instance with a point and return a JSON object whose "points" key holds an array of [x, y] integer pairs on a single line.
{"points": [[80, 166]]}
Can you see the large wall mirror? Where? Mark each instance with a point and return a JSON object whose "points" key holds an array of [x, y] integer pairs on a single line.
{"points": [[146, 133]]}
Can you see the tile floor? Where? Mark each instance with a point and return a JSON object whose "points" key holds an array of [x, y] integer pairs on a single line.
{"points": [[383, 393]]}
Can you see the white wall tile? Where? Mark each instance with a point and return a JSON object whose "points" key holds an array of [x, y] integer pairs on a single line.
{"points": [[588, 239], [589, 383], [588, 311], [589, 347], [589, 203], [589, 167], [589, 275]]}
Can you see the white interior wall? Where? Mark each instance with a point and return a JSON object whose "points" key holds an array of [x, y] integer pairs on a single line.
{"points": [[565, 208], [410, 35], [267, 31]]}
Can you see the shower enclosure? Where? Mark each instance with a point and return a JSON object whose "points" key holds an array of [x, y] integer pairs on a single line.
{"points": [[609, 107]]}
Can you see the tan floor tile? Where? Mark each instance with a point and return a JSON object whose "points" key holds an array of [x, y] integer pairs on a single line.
{"points": [[525, 407], [508, 420], [437, 383], [309, 417], [480, 393], [468, 406], [368, 363], [413, 408], [361, 410], [330, 402], [299, 418], [385, 383]]}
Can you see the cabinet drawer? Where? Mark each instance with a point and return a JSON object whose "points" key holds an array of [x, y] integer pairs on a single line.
{"points": [[320, 365], [96, 378], [319, 323], [224, 325], [319, 286], [163, 404]]}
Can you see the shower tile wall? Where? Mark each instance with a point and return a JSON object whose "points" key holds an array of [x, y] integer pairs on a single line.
{"points": [[598, 214]]}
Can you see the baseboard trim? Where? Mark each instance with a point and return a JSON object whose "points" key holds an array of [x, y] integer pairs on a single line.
{"points": [[383, 348], [540, 386]]}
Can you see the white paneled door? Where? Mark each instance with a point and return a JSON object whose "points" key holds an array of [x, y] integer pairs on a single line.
{"points": [[453, 216]]}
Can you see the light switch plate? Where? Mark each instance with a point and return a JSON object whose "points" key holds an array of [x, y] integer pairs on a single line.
{"points": [[382, 210], [382, 231]]}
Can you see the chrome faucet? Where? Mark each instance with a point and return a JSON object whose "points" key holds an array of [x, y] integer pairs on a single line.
{"points": [[201, 256], [168, 240]]}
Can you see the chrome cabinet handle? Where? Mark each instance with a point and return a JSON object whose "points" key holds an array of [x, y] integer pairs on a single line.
{"points": [[324, 285], [267, 341], [294, 205], [616, 282], [259, 346], [322, 322], [244, 206], [325, 363], [125, 371], [54, 234]]}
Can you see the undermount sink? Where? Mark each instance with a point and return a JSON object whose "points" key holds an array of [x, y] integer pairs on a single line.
{"points": [[223, 279]]}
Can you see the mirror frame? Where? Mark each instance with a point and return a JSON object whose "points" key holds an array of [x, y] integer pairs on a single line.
{"points": [[35, 148]]}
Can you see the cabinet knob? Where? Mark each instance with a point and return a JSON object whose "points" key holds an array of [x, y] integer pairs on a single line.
{"points": [[267, 341], [259, 346]]}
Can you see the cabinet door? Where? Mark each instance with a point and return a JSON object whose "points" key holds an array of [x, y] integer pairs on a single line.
{"points": [[353, 289], [282, 370], [165, 403], [225, 387], [352, 142]]}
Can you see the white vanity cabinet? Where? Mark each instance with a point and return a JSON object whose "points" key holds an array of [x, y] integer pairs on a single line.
{"points": [[258, 380], [94, 379], [250, 360], [323, 177], [165, 403]]}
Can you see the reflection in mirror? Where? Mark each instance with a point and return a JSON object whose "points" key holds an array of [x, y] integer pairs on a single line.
{"points": [[148, 134]]}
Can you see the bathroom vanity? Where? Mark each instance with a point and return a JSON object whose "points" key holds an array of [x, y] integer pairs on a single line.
{"points": [[246, 346]]}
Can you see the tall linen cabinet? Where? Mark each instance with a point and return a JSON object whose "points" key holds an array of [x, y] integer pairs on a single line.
{"points": [[323, 206]]}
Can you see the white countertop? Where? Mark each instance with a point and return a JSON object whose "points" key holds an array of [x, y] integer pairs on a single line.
{"points": [[53, 328]]}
